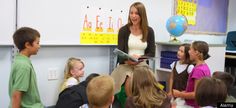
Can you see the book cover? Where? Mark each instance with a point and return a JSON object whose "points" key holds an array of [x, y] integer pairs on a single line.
{"points": [[125, 55]]}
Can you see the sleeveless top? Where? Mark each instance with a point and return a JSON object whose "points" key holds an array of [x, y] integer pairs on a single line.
{"points": [[180, 80]]}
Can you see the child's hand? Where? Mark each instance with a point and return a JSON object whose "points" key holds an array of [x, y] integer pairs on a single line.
{"points": [[176, 93], [169, 94]]}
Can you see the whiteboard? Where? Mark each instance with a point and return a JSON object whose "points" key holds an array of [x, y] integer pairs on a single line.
{"points": [[7, 21], [59, 21]]}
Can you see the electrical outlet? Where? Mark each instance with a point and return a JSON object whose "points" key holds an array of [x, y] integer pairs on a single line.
{"points": [[52, 73]]}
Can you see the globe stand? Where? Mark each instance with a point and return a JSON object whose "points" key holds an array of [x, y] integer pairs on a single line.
{"points": [[174, 40]]}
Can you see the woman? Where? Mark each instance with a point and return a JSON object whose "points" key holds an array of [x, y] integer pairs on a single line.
{"points": [[137, 39]]}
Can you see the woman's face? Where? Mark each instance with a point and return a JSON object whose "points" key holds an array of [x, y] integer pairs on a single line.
{"points": [[134, 16]]}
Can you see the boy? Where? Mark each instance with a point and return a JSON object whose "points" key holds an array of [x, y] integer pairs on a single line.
{"points": [[100, 92], [23, 90]]}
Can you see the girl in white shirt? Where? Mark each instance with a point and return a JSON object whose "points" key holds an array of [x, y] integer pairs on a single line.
{"points": [[180, 71]]}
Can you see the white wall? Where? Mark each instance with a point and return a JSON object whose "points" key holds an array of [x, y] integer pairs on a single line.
{"points": [[232, 16], [158, 22], [96, 60], [7, 21], [5, 67]]}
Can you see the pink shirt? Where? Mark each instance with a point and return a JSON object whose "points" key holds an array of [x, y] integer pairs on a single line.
{"points": [[198, 72]]}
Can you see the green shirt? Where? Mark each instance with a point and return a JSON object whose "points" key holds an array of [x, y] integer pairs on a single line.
{"points": [[23, 78]]}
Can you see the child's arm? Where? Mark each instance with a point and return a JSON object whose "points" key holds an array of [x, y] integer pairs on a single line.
{"points": [[186, 95], [16, 99], [170, 83]]}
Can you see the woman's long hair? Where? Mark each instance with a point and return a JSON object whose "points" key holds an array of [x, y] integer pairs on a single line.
{"points": [[144, 22], [145, 90]]}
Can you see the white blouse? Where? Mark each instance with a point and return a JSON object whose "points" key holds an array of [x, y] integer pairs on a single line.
{"points": [[135, 44]]}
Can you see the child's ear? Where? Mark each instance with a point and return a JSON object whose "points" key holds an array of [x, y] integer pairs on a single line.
{"points": [[72, 72], [27, 45]]}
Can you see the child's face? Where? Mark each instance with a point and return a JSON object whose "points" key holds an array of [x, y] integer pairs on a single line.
{"points": [[33, 49], [78, 70], [180, 53], [192, 53]]}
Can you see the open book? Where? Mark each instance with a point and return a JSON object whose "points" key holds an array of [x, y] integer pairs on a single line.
{"points": [[127, 56]]}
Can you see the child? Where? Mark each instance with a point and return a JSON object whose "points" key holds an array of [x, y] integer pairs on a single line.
{"points": [[145, 91], [210, 91], [228, 79], [198, 54], [75, 96], [73, 71], [100, 92], [23, 89], [180, 71]]}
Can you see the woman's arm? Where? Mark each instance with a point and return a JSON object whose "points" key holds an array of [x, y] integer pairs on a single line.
{"points": [[151, 47], [122, 42]]}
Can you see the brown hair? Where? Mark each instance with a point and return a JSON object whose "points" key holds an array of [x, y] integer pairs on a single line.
{"points": [[145, 90], [209, 91], [202, 47], [227, 78], [186, 54], [100, 91], [23, 35], [144, 22]]}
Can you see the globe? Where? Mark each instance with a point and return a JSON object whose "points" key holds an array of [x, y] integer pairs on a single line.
{"points": [[176, 25]]}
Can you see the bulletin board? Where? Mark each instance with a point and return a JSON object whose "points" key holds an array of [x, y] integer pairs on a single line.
{"points": [[204, 16]]}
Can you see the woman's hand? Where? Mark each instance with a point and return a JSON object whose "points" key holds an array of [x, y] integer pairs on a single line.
{"points": [[130, 62]]}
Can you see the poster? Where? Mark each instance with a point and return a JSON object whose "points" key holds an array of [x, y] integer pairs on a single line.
{"points": [[188, 8], [100, 26]]}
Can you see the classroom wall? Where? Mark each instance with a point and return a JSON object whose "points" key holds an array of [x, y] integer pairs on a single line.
{"points": [[232, 16], [5, 67], [165, 11], [96, 60]]}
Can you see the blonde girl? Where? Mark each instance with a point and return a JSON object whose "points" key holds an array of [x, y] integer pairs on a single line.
{"points": [[73, 71]]}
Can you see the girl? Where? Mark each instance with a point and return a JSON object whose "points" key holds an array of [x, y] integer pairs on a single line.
{"points": [[73, 71], [145, 91], [198, 54], [180, 71]]}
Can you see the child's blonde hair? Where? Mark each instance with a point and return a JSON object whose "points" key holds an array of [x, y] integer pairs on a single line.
{"points": [[100, 91], [69, 65]]}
